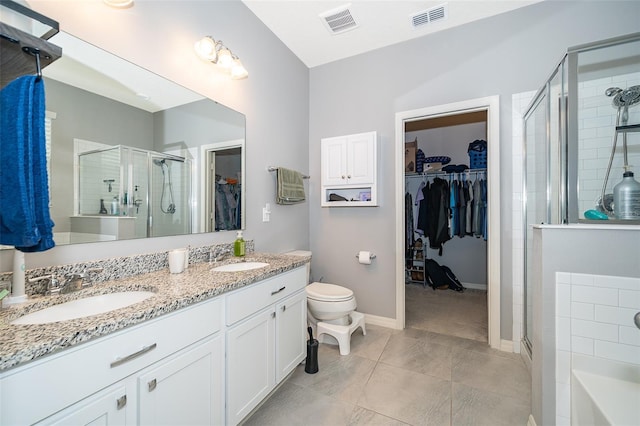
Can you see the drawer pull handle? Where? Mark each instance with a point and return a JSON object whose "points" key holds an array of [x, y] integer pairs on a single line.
{"points": [[152, 385], [134, 355], [121, 402], [278, 291], [284, 308], [273, 314]]}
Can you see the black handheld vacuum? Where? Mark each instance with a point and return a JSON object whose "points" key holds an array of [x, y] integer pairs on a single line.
{"points": [[311, 365]]}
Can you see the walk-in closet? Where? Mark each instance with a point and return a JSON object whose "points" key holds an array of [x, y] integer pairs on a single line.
{"points": [[446, 210]]}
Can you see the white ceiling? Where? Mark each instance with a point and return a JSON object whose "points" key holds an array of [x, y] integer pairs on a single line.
{"points": [[380, 23]]}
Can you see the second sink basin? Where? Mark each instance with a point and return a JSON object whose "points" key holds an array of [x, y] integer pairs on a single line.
{"points": [[240, 266], [86, 307]]}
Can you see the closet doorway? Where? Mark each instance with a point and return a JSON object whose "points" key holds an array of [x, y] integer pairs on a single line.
{"points": [[484, 113]]}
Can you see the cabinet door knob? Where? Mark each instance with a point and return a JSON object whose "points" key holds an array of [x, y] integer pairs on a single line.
{"points": [[121, 402], [284, 308], [273, 314], [342, 176], [348, 176], [152, 384]]}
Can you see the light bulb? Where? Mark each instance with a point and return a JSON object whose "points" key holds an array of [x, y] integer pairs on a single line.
{"points": [[206, 49], [120, 4], [238, 71], [225, 60]]}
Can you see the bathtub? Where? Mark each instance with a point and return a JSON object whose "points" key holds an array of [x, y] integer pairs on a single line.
{"points": [[604, 392]]}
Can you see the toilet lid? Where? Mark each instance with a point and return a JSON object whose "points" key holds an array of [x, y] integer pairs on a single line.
{"points": [[328, 292]]}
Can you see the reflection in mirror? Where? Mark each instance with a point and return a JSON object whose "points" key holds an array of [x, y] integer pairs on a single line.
{"points": [[133, 155]]}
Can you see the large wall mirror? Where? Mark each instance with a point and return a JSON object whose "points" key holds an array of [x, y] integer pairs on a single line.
{"points": [[133, 155]]}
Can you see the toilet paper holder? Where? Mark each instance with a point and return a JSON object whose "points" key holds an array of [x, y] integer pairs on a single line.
{"points": [[373, 256]]}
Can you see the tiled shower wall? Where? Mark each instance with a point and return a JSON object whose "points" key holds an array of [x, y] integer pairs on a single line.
{"points": [[594, 318], [596, 123]]}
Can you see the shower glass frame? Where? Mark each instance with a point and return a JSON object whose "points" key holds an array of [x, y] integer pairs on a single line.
{"points": [[563, 105], [124, 183]]}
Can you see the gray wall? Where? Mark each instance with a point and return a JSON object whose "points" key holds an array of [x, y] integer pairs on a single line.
{"points": [[510, 53], [573, 249], [159, 36], [83, 115]]}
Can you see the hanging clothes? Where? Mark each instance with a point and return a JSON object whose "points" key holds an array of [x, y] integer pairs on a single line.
{"points": [[438, 201], [485, 228], [408, 222], [423, 224], [419, 198], [453, 206]]}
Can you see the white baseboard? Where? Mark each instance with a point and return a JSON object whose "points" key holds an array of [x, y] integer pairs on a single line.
{"points": [[531, 421], [475, 286], [381, 321], [506, 345]]}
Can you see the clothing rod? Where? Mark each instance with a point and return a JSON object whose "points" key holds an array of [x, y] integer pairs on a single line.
{"points": [[440, 173], [275, 169]]}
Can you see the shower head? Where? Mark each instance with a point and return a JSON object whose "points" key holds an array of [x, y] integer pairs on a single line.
{"points": [[159, 162], [612, 91], [624, 98]]}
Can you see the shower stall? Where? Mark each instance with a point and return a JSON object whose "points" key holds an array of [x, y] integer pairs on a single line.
{"points": [[147, 193], [581, 139]]}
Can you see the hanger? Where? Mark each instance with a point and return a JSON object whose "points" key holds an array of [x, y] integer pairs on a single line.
{"points": [[36, 53]]}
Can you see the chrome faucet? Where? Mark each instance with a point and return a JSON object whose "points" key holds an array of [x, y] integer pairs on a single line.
{"points": [[77, 281], [220, 256], [53, 285]]}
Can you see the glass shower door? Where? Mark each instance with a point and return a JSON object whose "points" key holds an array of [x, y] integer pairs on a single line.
{"points": [[535, 196], [169, 197]]}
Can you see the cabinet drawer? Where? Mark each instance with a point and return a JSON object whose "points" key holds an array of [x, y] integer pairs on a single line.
{"points": [[62, 379], [247, 301]]}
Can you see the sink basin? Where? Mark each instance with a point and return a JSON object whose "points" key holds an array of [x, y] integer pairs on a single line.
{"points": [[240, 266], [86, 307]]}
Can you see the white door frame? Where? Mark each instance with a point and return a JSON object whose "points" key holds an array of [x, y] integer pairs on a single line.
{"points": [[490, 104]]}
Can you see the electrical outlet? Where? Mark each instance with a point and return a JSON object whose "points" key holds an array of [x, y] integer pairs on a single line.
{"points": [[265, 214]]}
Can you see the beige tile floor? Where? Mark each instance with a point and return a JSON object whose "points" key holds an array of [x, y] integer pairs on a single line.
{"points": [[435, 372]]}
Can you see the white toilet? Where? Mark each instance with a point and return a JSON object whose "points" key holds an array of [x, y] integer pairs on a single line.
{"points": [[331, 312]]}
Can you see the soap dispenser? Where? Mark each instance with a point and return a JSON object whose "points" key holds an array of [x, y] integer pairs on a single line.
{"points": [[239, 246]]}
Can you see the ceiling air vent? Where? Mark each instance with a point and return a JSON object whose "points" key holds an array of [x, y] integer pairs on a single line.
{"points": [[425, 17], [338, 20]]}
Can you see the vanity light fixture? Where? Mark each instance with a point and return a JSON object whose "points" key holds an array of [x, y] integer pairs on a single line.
{"points": [[214, 51], [120, 4]]}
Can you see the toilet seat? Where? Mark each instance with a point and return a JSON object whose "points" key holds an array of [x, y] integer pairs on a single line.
{"points": [[324, 292]]}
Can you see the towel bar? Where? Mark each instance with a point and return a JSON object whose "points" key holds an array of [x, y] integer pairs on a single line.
{"points": [[275, 169]]}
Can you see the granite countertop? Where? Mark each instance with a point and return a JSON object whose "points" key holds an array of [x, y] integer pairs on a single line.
{"points": [[20, 344]]}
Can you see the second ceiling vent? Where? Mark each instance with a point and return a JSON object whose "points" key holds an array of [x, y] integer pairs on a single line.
{"points": [[428, 16], [339, 20]]}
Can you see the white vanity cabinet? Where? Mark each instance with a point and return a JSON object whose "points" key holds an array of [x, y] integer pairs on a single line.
{"points": [[111, 406], [265, 339], [348, 165], [185, 390], [83, 384], [180, 368]]}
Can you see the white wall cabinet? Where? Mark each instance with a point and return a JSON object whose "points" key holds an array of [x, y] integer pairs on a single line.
{"points": [[263, 347], [349, 169]]}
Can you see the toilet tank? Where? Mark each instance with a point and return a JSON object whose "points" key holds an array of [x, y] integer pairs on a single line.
{"points": [[303, 253]]}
